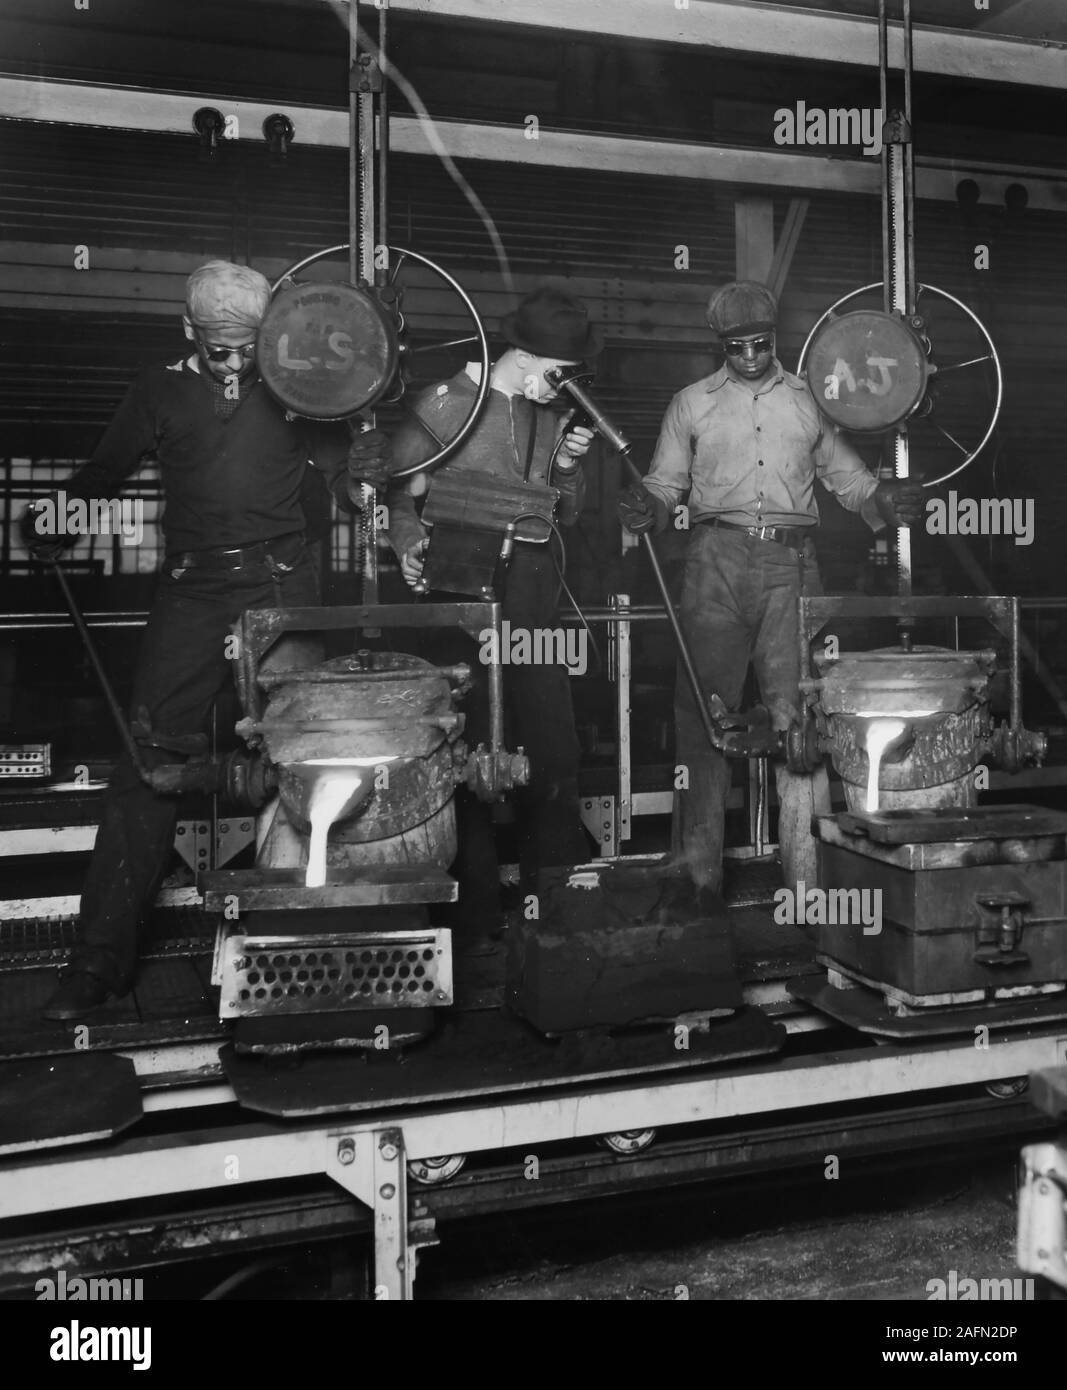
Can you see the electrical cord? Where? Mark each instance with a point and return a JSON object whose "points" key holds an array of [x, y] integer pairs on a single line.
{"points": [[555, 455], [563, 586]]}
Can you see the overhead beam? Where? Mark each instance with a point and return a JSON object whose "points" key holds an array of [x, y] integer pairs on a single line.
{"points": [[125, 281], [70, 103], [781, 31]]}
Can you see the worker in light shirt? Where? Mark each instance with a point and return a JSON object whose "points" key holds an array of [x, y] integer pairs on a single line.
{"points": [[747, 444]]}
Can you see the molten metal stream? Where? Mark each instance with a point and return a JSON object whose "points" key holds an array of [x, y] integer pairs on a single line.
{"points": [[880, 734], [336, 788]]}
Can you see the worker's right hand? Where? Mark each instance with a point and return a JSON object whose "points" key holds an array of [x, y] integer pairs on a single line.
{"points": [[412, 562], [636, 509], [370, 457], [44, 546]]}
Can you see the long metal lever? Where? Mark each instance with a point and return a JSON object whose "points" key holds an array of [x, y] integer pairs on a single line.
{"points": [[101, 675]]}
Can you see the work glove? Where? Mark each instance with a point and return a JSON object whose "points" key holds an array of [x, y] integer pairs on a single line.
{"points": [[899, 503], [370, 458], [574, 444], [636, 508], [44, 546]]}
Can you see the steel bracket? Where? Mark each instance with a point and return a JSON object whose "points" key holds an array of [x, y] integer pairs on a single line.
{"points": [[896, 130], [365, 75], [373, 1169], [1042, 1226], [1001, 920]]}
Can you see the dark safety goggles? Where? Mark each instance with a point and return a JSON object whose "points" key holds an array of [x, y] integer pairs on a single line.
{"points": [[734, 347], [215, 353], [576, 371]]}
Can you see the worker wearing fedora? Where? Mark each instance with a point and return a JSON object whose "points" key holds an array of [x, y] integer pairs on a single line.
{"points": [[747, 444], [514, 440]]}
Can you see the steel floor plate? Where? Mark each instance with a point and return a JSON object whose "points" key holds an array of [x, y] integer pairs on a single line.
{"points": [[867, 1011], [265, 890], [172, 1001], [484, 1054], [84, 1097]]}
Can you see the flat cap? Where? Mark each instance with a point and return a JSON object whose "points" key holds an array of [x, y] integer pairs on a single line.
{"points": [[742, 307]]}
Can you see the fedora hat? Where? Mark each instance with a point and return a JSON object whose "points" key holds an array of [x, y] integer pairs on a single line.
{"points": [[551, 323]]}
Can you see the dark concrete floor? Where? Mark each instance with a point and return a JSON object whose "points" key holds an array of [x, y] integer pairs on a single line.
{"points": [[882, 1238]]}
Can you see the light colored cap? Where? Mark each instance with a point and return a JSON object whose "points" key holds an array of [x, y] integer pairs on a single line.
{"points": [[224, 298]]}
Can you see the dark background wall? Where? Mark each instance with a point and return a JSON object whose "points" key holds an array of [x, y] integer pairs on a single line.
{"points": [[151, 206]]}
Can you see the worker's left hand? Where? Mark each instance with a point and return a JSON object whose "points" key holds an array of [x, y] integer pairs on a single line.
{"points": [[899, 502], [43, 546], [370, 458], [576, 442]]}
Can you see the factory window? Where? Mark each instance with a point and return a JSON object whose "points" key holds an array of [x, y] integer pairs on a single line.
{"points": [[122, 539]]}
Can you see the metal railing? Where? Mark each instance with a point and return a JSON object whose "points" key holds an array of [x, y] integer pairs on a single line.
{"points": [[609, 818]]}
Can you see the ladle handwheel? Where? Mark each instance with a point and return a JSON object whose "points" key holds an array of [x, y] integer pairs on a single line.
{"points": [[329, 350], [899, 401]]}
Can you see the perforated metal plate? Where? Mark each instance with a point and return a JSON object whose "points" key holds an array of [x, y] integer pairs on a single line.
{"points": [[332, 971], [25, 760]]}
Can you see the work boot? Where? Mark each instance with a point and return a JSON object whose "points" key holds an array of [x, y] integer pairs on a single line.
{"points": [[79, 993], [682, 899]]}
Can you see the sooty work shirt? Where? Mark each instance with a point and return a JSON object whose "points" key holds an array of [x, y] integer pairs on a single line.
{"points": [[752, 457], [226, 481]]}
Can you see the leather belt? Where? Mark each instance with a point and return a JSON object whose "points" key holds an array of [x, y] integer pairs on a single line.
{"points": [[793, 536], [231, 558]]}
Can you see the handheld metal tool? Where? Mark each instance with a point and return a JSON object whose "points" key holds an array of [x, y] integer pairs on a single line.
{"points": [[105, 685]]}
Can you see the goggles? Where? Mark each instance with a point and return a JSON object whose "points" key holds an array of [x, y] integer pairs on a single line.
{"points": [[577, 372], [734, 347], [216, 353]]}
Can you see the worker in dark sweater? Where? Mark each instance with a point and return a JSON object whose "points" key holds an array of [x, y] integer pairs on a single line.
{"points": [[239, 490], [513, 440]]}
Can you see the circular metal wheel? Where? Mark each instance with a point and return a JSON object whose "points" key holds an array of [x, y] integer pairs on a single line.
{"points": [[1008, 1090], [628, 1141], [430, 1171], [924, 412], [345, 379]]}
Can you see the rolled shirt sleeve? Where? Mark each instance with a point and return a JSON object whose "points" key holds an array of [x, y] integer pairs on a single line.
{"points": [[670, 475], [841, 470]]}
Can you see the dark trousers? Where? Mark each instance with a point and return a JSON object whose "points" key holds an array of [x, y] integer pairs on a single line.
{"points": [[539, 716], [181, 668], [739, 606]]}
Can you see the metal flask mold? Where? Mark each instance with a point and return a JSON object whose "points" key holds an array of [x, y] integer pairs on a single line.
{"points": [[364, 747], [931, 707]]}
